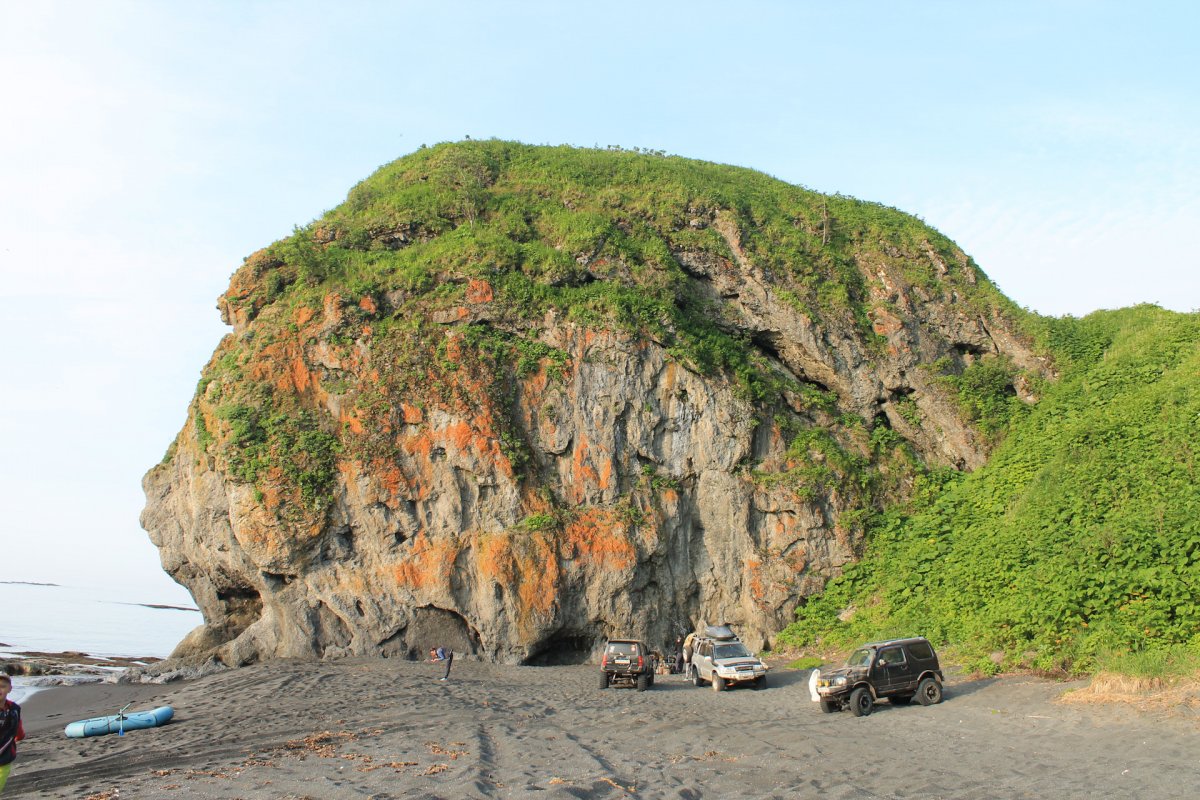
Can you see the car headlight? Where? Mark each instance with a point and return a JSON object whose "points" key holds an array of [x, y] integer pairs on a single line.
{"points": [[840, 680]]}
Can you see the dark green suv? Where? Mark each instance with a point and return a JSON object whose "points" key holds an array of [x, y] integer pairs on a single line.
{"points": [[627, 662], [898, 669]]}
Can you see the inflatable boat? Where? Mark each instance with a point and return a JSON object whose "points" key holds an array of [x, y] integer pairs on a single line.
{"points": [[120, 722]]}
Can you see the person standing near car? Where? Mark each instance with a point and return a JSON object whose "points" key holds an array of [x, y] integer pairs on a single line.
{"points": [[688, 649]]}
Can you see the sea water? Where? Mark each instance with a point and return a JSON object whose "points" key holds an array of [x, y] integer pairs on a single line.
{"points": [[95, 621]]}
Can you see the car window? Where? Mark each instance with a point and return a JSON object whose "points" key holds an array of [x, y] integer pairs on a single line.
{"points": [[622, 649], [732, 650], [892, 655], [860, 657], [921, 651]]}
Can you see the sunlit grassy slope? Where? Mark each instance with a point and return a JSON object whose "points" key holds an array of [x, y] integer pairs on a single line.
{"points": [[1078, 545]]}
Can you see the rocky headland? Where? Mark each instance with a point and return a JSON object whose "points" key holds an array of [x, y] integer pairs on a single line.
{"points": [[513, 400]]}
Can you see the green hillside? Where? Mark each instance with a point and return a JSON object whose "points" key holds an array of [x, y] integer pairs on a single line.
{"points": [[1078, 546]]}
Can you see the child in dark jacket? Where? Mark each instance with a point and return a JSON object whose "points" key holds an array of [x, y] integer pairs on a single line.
{"points": [[11, 730]]}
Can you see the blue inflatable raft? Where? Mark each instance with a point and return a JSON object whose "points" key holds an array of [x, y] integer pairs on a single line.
{"points": [[119, 723]]}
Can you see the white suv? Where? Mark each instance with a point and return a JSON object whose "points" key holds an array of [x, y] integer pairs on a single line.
{"points": [[720, 659]]}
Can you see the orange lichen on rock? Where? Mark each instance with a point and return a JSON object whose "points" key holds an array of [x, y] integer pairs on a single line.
{"points": [[797, 558], [482, 424], [429, 565], [605, 478], [270, 487], [300, 375], [352, 423], [885, 323], [584, 473], [537, 578], [599, 536], [460, 435], [270, 497], [367, 303], [263, 367], [535, 385], [303, 315], [392, 479], [332, 307], [754, 580], [527, 565], [412, 415], [418, 444], [479, 291], [493, 557]]}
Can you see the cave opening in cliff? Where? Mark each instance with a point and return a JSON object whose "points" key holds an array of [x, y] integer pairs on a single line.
{"points": [[767, 342], [968, 349], [562, 649], [242, 605], [430, 626]]}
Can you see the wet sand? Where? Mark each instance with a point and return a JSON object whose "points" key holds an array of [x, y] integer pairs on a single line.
{"points": [[389, 729]]}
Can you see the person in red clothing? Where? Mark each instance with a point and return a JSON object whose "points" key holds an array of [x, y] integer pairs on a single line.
{"points": [[11, 730]]}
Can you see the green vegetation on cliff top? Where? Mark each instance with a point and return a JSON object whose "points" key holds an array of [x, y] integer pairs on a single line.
{"points": [[593, 233]]}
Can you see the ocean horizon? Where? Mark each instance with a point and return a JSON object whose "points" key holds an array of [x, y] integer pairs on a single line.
{"points": [[117, 622], [102, 622]]}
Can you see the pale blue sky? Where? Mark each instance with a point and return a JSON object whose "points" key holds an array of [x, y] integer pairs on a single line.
{"points": [[149, 147]]}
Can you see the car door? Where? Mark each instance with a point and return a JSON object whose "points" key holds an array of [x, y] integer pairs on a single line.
{"points": [[891, 671], [704, 667]]}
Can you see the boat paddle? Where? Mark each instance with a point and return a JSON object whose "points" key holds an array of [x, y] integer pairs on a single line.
{"points": [[121, 719]]}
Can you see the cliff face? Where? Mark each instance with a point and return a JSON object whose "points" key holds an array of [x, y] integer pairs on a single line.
{"points": [[440, 421]]}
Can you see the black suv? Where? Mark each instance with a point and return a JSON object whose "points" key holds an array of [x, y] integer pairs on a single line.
{"points": [[627, 662], [898, 669]]}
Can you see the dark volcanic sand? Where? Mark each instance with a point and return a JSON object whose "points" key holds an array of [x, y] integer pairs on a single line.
{"points": [[389, 729]]}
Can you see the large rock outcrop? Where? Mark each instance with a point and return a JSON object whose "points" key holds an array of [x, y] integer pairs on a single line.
{"points": [[377, 466]]}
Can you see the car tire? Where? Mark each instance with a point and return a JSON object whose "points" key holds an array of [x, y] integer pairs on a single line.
{"points": [[760, 682], [861, 702], [696, 677], [603, 679], [718, 683], [900, 699], [651, 678], [643, 682], [929, 692], [830, 706]]}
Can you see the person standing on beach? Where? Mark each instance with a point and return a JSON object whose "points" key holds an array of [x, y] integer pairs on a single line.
{"points": [[11, 730], [442, 654]]}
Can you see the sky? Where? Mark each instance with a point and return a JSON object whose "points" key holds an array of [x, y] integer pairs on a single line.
{"points": [[148, 147]]}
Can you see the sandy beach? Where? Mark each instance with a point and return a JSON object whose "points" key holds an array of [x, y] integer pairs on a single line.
{"points": [[389, 729]]}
